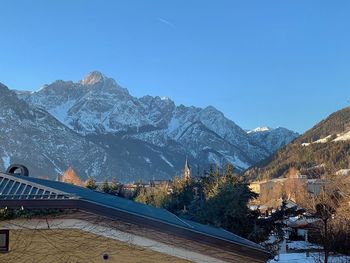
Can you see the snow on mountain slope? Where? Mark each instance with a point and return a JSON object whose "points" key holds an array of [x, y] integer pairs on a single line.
{"points": [[89, 106], [98, 106], [259, 129], [272, 139], [343, 137], [33, 137]]}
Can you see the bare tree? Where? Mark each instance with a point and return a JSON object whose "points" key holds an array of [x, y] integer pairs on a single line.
{"points": [[70, 176], [331, 207]]}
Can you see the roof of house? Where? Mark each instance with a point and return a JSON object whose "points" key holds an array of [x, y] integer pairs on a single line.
{"points": [[17, 191]]}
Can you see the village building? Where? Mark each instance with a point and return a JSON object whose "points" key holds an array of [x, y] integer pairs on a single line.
{"points": [[315, 186], [271, 192], [90, 226], [255, 186], [158, 183]]}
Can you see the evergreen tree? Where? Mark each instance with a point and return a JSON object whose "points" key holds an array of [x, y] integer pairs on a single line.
{"points": [[115, 187], [229, 209], [105, 187], [230, 173], [91, 183], [219, 199], [154, 196]]}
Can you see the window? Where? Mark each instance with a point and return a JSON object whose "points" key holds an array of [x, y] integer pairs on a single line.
{"points": [[4, 240]]}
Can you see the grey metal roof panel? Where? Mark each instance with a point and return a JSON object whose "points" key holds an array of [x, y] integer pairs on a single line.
{"points": [[111, 201], [17, 188]]}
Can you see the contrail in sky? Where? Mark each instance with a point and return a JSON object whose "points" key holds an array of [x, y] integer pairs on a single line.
{"points": [[164, 21]]}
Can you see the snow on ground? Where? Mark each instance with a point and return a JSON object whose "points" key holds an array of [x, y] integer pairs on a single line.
{"points": [[173, 125], [343, 172], [303, 258], [61, 111], [343, 137], [340, 137], [57, 168], [240, 163], [6, 160], [213, 158], [166, 160], [234, 160], [322, 140], [296, 245], [147, 160]]}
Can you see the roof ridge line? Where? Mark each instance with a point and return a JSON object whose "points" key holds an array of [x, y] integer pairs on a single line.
{"points": [[179, 218]]}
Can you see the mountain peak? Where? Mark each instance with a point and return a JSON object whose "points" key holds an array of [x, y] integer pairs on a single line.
{"points": [[4, 89], [93, 78], [260, 129]]}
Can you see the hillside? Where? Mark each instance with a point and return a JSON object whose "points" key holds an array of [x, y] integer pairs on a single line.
{"points": [[323, 149]]}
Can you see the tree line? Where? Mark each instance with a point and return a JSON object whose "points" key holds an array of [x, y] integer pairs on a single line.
{"points": [[218, 198]]}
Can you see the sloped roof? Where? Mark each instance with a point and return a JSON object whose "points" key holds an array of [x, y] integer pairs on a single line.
{"points": [[12, 187], [16, 189]]}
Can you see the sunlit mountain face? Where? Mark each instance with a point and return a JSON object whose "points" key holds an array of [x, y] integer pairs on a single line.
{"points": [[127, 137]]}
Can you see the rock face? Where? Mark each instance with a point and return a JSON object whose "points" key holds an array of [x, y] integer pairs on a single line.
{"points": [[33, 137], [142, 138], [272, 139]]}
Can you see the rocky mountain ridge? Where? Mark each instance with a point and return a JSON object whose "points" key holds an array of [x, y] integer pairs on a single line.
{"points": [[149, 137]]}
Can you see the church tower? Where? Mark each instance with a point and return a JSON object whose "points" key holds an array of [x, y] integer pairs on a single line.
{"points": [[187, 171]]}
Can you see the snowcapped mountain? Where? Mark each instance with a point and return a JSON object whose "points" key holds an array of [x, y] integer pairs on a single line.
{"points": [[259, 129], [272, 139], [33, 137], [150, 136]]}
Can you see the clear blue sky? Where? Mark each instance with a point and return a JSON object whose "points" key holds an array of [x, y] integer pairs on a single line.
{"points": [[276, 63]]}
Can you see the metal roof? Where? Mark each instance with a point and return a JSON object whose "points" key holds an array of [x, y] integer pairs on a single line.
{"points": [[12, 188], [17, 187]]}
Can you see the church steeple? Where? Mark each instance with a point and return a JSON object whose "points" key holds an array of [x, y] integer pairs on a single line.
{"points": [[187, 171]]}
